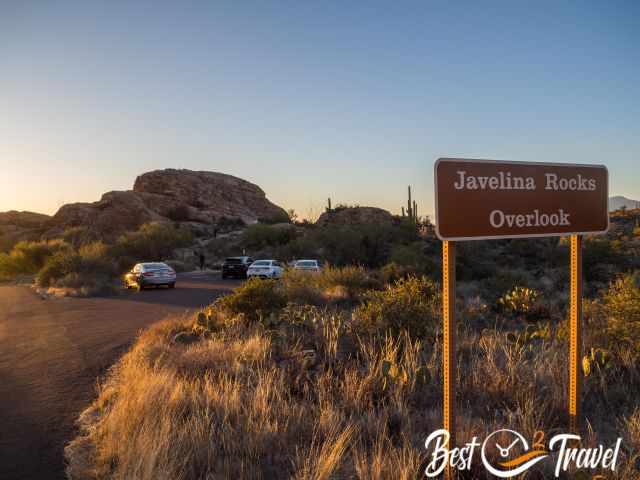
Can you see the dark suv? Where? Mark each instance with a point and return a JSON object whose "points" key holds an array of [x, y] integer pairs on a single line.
{"points": [[236, 267]]}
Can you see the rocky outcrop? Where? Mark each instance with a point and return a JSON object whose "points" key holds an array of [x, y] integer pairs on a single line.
{"points": [[23, 220], [210, 195], [113, 214], [355, 216], [16, 226], [169, 195]]}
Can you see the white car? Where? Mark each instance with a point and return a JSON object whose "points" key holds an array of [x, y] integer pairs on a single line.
{"points": [[307, 265], [265, 269]]}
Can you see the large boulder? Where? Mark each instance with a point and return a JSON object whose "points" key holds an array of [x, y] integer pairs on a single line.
{"points": [[185, 196], [355, 216], [211, 194]]}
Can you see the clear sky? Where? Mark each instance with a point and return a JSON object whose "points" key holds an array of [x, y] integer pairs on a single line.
{"points": [[352, 100]]}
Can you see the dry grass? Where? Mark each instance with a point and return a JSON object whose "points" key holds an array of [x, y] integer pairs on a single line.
{"points": [[312, 397]]}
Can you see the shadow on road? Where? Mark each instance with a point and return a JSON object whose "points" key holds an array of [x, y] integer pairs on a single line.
{"points": [[188, 293]]}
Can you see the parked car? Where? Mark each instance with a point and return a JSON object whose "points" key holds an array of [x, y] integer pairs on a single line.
{"points": [[265, 269], [236, 267], [144, 275], [307, 265]]}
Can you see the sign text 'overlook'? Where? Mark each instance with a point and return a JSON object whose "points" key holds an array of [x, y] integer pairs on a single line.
{"points": [[478, 199]]}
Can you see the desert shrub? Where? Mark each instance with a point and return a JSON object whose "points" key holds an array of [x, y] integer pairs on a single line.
{"points": [[29, 257], [221, 247], [412, 257], [280, 217], [260, 236], [302, 288], [303, 246], [501, 281], [83, 284], [80, 235], [411, 304], [353, 244], [392, 272], [597, 253], [58, 266], [152, 242], [345, 283], [475, 311], [255, 299], [622, 309], [7, 242], [89, 267]]}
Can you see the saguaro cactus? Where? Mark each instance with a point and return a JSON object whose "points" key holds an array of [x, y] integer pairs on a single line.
{"points": [[412, 207]]}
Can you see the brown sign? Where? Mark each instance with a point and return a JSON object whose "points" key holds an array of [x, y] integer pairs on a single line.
{"points": [[483, 199]]}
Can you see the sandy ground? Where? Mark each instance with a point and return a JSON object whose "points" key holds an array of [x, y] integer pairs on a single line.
{"points": [[51, 353]]}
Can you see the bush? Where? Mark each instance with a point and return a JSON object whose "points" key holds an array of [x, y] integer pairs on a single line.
{"points": [[7, 242], [411, 304], [29, 257], [302, 288], [89, 267], [260, 236], [596, 253], [78, 236], [152, 242], [280, 217], [412, 258], [351, 282], [59, 265], [622, 309], [393, 272], [256, 299]]}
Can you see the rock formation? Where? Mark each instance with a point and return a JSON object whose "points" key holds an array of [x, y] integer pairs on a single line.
{"points": [[16, 226], [210, 195], [355, 216], [201, 198]]}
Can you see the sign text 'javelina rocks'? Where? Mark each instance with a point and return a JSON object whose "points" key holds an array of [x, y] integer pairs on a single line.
{"points": [[484, 199]]}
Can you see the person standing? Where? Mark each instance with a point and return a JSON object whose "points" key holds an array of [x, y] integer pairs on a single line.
{"points": [[202, 261]]}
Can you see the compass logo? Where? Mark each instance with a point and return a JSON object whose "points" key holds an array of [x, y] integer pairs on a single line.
{"points": [[515, 458]]}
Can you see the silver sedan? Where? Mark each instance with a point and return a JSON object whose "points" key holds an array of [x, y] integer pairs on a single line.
{"points": [[150, 274]]}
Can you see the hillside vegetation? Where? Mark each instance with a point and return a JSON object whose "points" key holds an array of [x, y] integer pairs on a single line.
{"points": [[338, 375], [88, 266]]}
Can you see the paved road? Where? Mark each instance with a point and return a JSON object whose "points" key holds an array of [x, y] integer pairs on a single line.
{"points": [[52, 351]]}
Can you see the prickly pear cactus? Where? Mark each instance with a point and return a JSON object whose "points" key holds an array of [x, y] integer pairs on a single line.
{"points": [[598, 358]]}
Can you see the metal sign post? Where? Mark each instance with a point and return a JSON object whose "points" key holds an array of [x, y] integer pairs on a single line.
{"points": [[575, 335], [449, 342]]}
